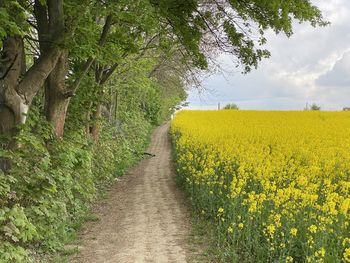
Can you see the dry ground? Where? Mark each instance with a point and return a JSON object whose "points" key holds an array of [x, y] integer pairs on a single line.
{"points": [[144, 218]]}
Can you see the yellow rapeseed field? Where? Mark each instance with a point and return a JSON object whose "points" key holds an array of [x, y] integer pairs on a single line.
{"points": [[276, 184]]}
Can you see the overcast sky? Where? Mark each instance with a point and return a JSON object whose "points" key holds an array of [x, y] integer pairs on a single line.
{"points": [[313, 66]]}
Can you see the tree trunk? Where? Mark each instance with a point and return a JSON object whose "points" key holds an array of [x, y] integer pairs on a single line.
{"points": [[13, 106], [17, 89], [102, 75], [88, 120], [18, 86], [57, 97], [96, 128]]}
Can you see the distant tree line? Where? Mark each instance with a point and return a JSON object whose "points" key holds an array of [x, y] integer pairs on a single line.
{"points": [[231, 106]]}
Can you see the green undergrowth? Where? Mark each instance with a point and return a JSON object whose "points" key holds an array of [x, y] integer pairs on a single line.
{"points": [[47, 194], [206, 240], [206, 234]]}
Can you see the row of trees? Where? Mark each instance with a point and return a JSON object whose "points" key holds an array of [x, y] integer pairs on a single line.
{"points": [[81, 83], [55, 44], [233, 106]]}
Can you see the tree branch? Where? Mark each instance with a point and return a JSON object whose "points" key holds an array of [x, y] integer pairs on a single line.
{"points": [[105, 31], [85, 68], [108, 73], [34, 78]]}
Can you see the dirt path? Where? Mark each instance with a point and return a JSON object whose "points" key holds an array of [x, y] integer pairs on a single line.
{"points": [[144, 218]]}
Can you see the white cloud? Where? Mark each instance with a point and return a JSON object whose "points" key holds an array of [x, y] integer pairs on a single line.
{"points": [[297, 71], [338, 75]]}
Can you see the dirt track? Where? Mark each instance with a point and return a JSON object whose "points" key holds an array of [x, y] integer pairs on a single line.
{"points": [[144, 218]]}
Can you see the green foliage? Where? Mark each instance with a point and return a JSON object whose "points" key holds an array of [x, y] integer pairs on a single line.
{"points": [[314, 106], [153, 46], [231, 106], [137, 93], [52, 182], [192, 22], [12, 19], [131, 22]]}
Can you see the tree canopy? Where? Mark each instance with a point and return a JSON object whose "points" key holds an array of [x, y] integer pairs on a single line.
{"points": [[231, 106], [59, 42]]}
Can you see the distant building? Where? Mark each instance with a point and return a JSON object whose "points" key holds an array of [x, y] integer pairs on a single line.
{"points": [[346, 109]]}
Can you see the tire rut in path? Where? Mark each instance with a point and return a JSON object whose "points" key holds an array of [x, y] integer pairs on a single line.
{"points": [[144, 218]]}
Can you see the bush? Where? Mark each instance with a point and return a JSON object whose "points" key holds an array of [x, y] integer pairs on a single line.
{"points": [[52, 182], [231, 106]]}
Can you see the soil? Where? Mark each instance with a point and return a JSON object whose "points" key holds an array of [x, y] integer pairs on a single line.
{"points": [[144, 218]]}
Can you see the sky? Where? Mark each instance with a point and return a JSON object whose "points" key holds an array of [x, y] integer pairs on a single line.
{"points": [[312, 66]]}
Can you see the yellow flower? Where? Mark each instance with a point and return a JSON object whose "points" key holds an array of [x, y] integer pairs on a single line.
{"points": [[271, 229], [346, 241], [310, 242], [346, 255], [320, 253], [312, 229], [289, 259], [281, 164], [293, 231], [230, 230]]}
